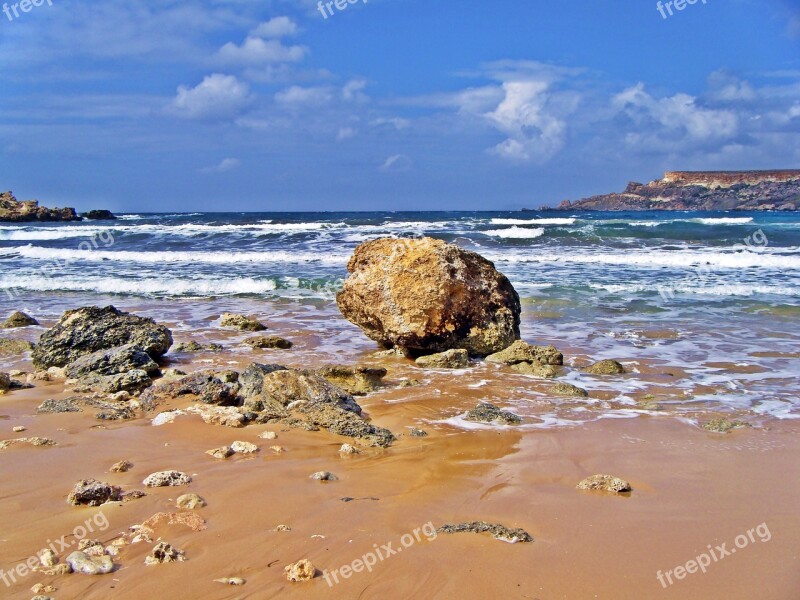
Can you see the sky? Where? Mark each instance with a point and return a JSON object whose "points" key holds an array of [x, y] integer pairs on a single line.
{"points": [[271, 105]]}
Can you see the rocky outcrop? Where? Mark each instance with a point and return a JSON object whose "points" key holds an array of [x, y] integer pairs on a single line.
{"points": [[112, 362], [17, 320], [12, 210], [219, 388], [425, 296], [358, 381], [452, 359], [703, 190], [241, 322], [99, 215], [88, 330], [523, 352]]}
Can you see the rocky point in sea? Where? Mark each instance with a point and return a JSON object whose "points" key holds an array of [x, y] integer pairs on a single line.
{"points": [[426, 296], [15, 211]]}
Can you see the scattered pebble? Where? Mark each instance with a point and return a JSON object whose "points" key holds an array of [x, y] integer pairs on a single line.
{"points": [[48, 558], [278, 449], [567, 389], [417, 432], [724, 425], [489, 413], [40, 588], [283, 528], [303, 570]]}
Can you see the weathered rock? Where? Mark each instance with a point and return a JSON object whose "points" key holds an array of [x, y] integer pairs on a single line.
{"points": [[15, 211], [48, 558], [240, 447], [606, 367], [219, 388], [190, 502], [605, 483], [33, 441], [17, 320], [90, 492], [424, 295], [521, 352], [419, 433], [346, 423], [268, 435], [499, 532], [349, 449], [567, 389], [113, 361], [303, 570], [194, 348], [536, 369], [167, 479], [358, 381], [451, 359], [188, 519], [225, 416], [5, 382], [132, 381], [241, 322], [88, 330], [67, 405], [99, 215], [324, 476], [122, 466], [164, 553], [11, 347], [221, 452], [269, 342], [489, 413], [80, 562], [231, 581], [723, 425]]}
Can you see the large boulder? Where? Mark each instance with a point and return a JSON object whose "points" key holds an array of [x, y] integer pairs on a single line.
{"points": [[112, 362], [425, 296], [92, 329]]}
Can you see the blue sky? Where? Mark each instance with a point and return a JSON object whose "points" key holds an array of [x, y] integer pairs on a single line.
{"points": [[229, 105]]}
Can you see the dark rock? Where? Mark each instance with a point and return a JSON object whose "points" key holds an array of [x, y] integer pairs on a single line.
{"points": [[112, 362], [17, 320], [5, 382], [499, 532], [489, 413], [419, 433], [346, 423], [195, 348], [241, 322], [567, 389], [536, 369], [99, 215], [219, 388], [90, 492], [132, 381], [269, 342], [88, 330], [358, 381]]}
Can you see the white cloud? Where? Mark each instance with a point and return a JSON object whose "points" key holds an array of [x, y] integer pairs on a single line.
{"points": [[345, 133], [353, 91], [227, 164], [216, 97], [396, 122], [396, 163], [258, 51], [296, 97], [276, 27]]}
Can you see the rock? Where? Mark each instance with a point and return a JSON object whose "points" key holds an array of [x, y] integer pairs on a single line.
{"points": [[188, 519], [40, 588], [132, 381], [419, 433], [358, 381], [91, 547], [89, 565], [605, 483], [56, 571], [90, 492], [567, 389], [536, 369], [230, 581], [5, 382], [452, 359], [88, 330], [194, 348], [489, 413], [99, 215], [424, 296], [349, 449], [268, 435], [226, 416], [606, 367], [303, 570], [67, 405], [278, 449], [244, 448], [167, 479], [15, 211], [164, 553], [221, 453], [724, 425], [48, 558], [410, 383], [347, 424], [219, 388], [122, 466], [324, 476], [241, 322], [499, 532], [11, 347], [283, 528], [190, 502], [272, 342], [114, 361], [19, 429], [523, 352], [33, 441], [17, 320]]}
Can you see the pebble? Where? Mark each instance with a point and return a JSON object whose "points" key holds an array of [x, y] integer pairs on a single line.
{"points": [[190, 502], [268, 435]]}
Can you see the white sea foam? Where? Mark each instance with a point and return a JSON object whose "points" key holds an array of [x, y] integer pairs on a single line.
{"points": [[739, 290], [567, 221], [516, 233], [724, 221]]}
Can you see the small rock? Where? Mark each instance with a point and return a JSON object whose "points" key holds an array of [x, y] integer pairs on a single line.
{"points": [[283, 528], [221, 453], [278, 449], [499, 532], [241, 322], [48, 558], [89, 565], [91, 547], [419, 433], [244, 447], [606, 367], [230, 581], [195, 348], [269, 342], [19, 429], [520, 352], [605, 483], [17, 320], [122, 466], [410, 383], [451, 359], [303, 570], [324, 476], [489, 413], [536, 369], [90, 492], [164, 553], [56, 571], [167, 479], [349, 449], [358, 381], [190, 502], [724, 425], [268, 435], [567, 389], [34, 441], [13, 347], [40, 588]]}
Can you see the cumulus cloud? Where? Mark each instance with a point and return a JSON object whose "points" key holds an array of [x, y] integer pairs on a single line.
{"points": [[227, 164], [260, 51], [297, 97], [276, 27], [218, 96]]}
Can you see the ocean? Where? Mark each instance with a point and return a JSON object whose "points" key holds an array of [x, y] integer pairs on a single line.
{"points": [[714, 296]]}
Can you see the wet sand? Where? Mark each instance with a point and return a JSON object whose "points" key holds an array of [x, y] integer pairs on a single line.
{"points": [[691, 489]]}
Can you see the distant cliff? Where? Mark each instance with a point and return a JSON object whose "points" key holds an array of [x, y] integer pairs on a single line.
{"points": [[13, 210], [703, 190]]}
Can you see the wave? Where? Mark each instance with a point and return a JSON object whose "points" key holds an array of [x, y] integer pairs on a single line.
{"points": [[515, 233], [704, 290], [567, 221], [724, 221]]}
